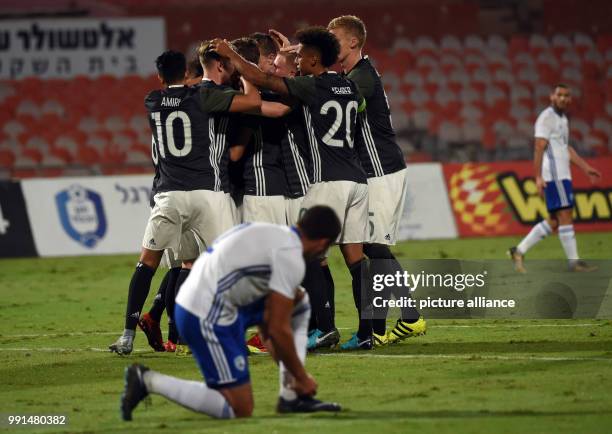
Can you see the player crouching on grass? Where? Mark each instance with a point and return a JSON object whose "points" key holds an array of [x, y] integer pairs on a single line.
{"points": [[249, 276], [552, 159]]}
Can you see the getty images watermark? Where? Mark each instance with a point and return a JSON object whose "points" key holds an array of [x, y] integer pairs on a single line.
{"points": [[446, 288], [413, 281]]}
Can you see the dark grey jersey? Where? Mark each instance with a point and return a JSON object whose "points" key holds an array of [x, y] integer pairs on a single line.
{"points": [[375, 139], [296, 154], [330, 105], [263, 168], [189, 127]]}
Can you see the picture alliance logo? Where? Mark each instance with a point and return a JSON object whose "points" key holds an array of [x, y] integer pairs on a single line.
{"points": [[81, 213]]}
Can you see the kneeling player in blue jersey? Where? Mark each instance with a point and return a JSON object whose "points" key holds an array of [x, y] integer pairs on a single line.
{"points": [[250, 276]]}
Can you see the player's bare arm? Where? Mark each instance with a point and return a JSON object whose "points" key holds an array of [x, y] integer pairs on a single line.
{"points": [[277, 320], [237, 149], [247, 102], [272, 109], [249, 71], [540, 147], [593, 174]]}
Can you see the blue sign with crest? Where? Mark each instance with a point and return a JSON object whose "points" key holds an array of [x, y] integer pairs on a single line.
{"points": [[82, 215]]}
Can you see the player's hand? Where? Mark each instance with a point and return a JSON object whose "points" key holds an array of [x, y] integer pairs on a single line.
{"points": [[290, 49], [307, 386], [593, 174], [540, 185], [221, 47], [279, 39]]}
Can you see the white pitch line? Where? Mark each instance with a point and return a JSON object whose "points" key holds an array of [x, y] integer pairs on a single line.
{"points": [[472, 357], [56, 335], [514, 325], [67, 334], [66, 350]]}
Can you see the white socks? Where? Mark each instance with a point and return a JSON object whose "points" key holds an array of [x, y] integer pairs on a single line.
{"points": [[537, 233], [193, 395], [542, 229], [299, 324], [568, 241]]}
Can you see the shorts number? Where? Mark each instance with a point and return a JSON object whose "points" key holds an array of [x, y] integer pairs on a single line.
{"points": [[328, 138], [371, 222]]}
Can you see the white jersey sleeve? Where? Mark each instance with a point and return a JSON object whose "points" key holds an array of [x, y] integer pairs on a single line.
{"points": [[288, 270], [544, 126]]}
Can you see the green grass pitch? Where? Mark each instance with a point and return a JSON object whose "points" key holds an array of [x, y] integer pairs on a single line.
{"points": [[58, 315]]}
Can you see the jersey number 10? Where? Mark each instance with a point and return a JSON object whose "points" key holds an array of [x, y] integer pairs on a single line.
{"points": [[169, 125]]}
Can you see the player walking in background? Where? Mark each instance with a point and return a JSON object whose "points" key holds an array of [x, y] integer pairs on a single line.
{"points": [[249, 276], [188, 127], [553, 176], [330, 105], [384, 163]]}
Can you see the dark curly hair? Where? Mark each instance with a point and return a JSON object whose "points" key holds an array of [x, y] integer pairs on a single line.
{"points": [[171, 66], [323, 41]]}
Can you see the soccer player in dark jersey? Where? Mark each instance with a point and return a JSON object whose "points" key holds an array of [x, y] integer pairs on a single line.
{"points": [[318, 280], [188, 125], [264, 178], [384, 163], [331, 103]]}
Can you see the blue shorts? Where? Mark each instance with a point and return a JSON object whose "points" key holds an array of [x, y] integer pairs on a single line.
{"points": [[559, 195], [220, 351]]}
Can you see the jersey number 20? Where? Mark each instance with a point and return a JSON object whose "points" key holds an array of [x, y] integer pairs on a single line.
{"points": [[169, 126], [328, 138]]}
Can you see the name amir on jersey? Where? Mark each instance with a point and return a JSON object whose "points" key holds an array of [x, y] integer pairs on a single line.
{"points": [[170, 102]]}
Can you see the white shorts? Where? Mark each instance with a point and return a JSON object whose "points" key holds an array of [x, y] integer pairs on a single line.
{"points": [[350, 202], [237, 212], [292, 209], [267, 209], [387, 195], [207, 214], [191, 247]]}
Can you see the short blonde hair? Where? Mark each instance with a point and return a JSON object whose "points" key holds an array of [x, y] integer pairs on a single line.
{"points": [[352, 24], [207, 56]]}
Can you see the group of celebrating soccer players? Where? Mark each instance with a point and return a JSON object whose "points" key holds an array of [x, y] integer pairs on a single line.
{"points": [[269, 138], [264, 157]]}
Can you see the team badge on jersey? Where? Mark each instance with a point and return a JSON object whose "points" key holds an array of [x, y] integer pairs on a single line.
{"points": [[82, 215], [240, 363]]}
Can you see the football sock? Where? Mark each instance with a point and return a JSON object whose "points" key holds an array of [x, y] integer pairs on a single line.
{"points": [[137, 295], [159, 302], [330, 293], [193, 395], [182, 276], [382, 261], [299, 325], [365, 324], [568, 241], [172, 333], [314, 283], [537, 233]]}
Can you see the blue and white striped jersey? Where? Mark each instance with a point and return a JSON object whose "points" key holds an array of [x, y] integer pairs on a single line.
{"points": [[554, 127], [240, 269]]}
